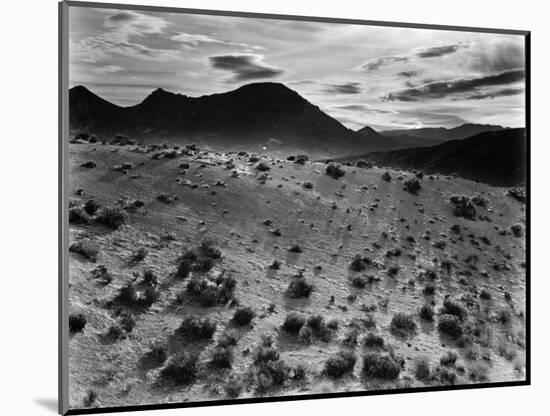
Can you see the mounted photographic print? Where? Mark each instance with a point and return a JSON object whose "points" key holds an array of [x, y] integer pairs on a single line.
{"points": [[263, 207]]}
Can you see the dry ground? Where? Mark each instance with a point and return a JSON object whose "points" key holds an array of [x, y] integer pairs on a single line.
{"points": [[359, 213]]}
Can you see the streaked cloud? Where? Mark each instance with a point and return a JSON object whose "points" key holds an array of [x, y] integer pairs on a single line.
{"points": [[245, 67]]}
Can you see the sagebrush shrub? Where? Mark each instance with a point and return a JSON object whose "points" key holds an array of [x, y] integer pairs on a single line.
{"points": [[77, 322], [181, 369], [384, 366], [339, 364], [293, 322], [112, 217], [196, 329]]}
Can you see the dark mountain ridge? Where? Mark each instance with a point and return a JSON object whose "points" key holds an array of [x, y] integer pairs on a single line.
{"points": [[497, 157], [253, 113], [442, 134]]}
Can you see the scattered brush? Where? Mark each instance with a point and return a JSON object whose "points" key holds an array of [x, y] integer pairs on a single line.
{"points": [[155, 357], [263, 167], [299, 288], [86, 249], [450, 325], [373, 341], [210, 291], [463, 207], [78, 216], [448, 359], [243, 316], [92, 206], [77, 322], [222, 357], [426, 313], [451, 307], [383, 366], [403, 325], [412, 186], [422, 370], [359, 263], [193, 328], [112, 217], [181, 369], [340, 364], [199, 260], [334, 170], [293, 323]]}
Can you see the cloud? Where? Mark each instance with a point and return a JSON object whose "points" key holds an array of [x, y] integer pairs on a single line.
{"points": [[419, 53], [498, 57], [440, 89], [135, 23], [108, 69], [194, 40], [407, 74], [375, 64], [505, 92], [438, 51], [361, 108], [245, 67], [345, 88]]}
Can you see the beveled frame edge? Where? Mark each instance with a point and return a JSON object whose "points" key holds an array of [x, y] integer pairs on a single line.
{"points": [[63, 220], [63, 264]]}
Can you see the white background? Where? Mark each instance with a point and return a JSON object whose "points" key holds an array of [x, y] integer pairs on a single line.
{"points": [[28, 208]]}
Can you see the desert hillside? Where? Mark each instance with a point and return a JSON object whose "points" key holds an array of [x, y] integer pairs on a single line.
{"points": [[199, 275]]}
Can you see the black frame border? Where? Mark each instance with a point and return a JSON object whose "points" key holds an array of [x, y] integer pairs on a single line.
{"points": [[63, 123]]}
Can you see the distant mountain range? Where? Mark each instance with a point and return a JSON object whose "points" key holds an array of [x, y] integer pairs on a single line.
{"points": [[496, 157], [432, 136], [252, 114]]}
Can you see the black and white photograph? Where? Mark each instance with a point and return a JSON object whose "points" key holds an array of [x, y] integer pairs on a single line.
{"points": [[269, 207]]}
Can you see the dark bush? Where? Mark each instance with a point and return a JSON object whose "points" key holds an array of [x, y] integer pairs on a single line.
{"points": [[85, 248], [90, 400], [211, 291], [295, 248], [450, 325], [299, 288], [200, 259], [386, 176], [150, 278], [89, 164], [77, 322], [517, 230], [196, 329], [453, 308], [227, 339], [427, 312], [92, 206], [271, 374], [293, 323], [102, 275], [222, 357], [448, 359], [485, 294], [445, 376], [263, 167], [373, 341], [155, 357], [181, 370], [78, 216], [412, 186], [463, 207], [305, 335], [112, 217], [384, 366], [334, 170], [403, 324], [339, 364], [301, 159], [365, 164], [422, 370], [243, 316], [359, 263], [139, 254], [265, 354], [429, 289]]}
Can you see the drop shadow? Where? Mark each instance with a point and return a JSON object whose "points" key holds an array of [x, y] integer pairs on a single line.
{"points": [[48, 404]]}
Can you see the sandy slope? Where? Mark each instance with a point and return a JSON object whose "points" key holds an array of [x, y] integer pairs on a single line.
{"points": [[329, 237]]}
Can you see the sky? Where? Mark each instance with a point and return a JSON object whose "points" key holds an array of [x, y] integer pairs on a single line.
{"points": [[382, 77]]}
